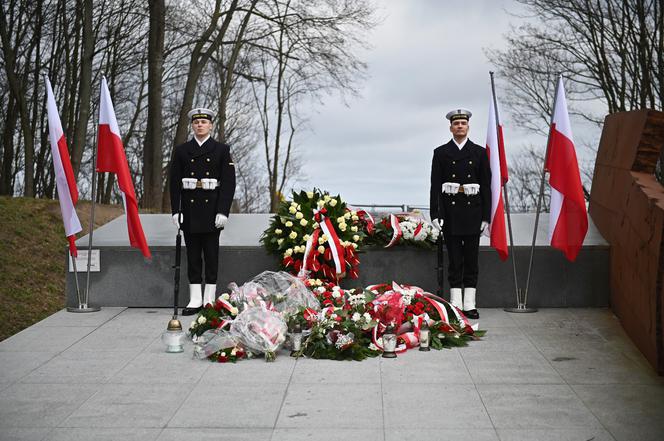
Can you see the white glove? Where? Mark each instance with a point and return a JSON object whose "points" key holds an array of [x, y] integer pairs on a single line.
{"points": [[451, 187], [209, 184], [220, 220], [483, 227], [437, 223], [176, 220], [471, 189], [189, 183]]}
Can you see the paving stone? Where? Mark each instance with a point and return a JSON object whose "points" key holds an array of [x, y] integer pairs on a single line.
{"points": [[251, 372], [433, 406], [328, 406], [65, 318], [590, 434], [84, 367], [41, 405], [332, 371], [162, 368], [229, 405], [23, 434], [15, 365], [328, 435], [135, 405], [592, 366], [629, 412], [445, 366], [45, 338], [216, 434], [441, 434], [497, 367], [505, 339], [535, 406], [102, 434]]}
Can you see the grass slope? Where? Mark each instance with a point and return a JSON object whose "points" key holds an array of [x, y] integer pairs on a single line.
{"points": [[32, 258]]}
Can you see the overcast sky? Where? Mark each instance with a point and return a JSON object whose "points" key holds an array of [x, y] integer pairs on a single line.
{"points": [[428, 57]]}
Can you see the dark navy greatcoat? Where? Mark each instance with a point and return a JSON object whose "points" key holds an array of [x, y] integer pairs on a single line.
{"points": [[462, 214], [199, 207]]}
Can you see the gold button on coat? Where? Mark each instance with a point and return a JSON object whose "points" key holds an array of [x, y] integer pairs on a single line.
{"points": [[208, 174], [192, 173], [192, 160], [454, 176], [192, 200], [207, 159]]}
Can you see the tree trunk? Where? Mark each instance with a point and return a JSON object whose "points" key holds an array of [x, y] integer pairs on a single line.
{"points": [[152, 149], [84, 89]]}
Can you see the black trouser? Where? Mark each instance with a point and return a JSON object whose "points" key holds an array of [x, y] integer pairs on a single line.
{"points": [[463, 254], [202, 246]]}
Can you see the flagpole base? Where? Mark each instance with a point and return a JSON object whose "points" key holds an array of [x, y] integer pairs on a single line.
{"points": [[520, 309], [83, 308]]}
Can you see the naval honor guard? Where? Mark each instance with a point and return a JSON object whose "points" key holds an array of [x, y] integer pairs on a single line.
{"points": [[460, 204], [202, 190]]}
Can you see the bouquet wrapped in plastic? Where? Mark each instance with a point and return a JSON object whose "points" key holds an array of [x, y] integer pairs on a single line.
{"points": [[260, 330], [218, 345], [279, 291]]}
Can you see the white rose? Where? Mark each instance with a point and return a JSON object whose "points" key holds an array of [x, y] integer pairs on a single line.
{"points": [[341, 219], [299, 215], [234, 310], [320, 241], [293, 235], [353, 229], [327, 198], [319, 282], [292, 210], [336, 294], [278, 231], [303, 222], [305, 237], [354, 245], [310, 194], [315, 225], [355, 218], [347, 215], [356, 237], [320, 203], [324, 237], [289, 224], [225, 296], [233, 352], [321, 249], [367, 316], [201, 320], [342, 227], [223, 354], [280, 241], [289, 252], [333, 202]]}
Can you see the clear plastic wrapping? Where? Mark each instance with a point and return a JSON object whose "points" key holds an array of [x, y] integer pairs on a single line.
{"points": [[279, 291], [259, 329]]}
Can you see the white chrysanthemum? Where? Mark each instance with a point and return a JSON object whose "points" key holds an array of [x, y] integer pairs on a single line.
{"points": [[356, 317]]}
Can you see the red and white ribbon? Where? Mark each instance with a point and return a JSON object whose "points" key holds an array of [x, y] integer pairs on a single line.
{"points": [[396, 228]]}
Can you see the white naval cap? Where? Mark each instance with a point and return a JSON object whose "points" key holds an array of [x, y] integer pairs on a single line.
{"points": [[201, 113], [455, 114]]}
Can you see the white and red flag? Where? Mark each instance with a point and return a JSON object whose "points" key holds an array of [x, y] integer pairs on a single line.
{"points": [[111, 158], [568, 220], [64, 174], [496, 151]]}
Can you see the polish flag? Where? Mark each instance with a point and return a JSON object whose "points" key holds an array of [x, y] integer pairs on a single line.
{"points": [[568, 220], [64, 174], [111, 158], [496, 151]]}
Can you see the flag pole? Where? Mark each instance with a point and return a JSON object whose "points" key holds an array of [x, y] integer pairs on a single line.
{"points": [[78, 289], [507, 204], [83, 306], [541, 192]]}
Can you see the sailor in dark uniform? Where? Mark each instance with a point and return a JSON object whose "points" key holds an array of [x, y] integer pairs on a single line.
{"points": [[202, 190], [460, 203]]}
